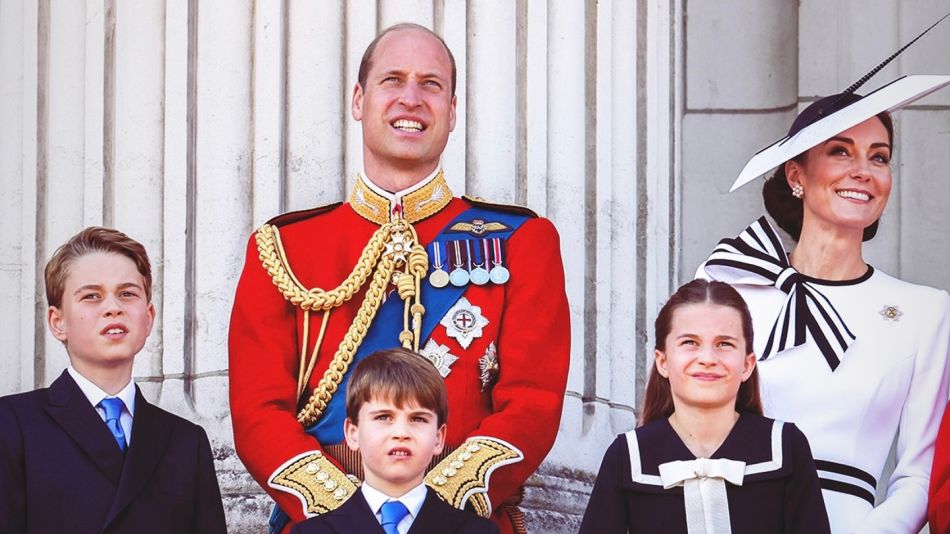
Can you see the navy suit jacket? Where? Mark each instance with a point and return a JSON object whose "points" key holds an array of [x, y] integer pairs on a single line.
{"points": [[436, 516], [61, 470]]}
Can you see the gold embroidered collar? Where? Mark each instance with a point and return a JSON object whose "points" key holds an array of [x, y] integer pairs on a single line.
{"points": [[416, 203]]}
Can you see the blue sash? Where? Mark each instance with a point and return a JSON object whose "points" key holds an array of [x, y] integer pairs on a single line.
{"points": [[383, 333]]}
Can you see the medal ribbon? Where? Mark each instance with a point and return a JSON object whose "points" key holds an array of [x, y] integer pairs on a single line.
{"points": [[496, 248], [458, 255], [479, 254], [437, 255], [757, 257]]}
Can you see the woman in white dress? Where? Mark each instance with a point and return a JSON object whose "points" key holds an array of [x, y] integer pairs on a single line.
{"points": [[854, 357]]}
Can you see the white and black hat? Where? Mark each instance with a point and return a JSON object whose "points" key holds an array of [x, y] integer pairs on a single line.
{"points": [[834, 114]]}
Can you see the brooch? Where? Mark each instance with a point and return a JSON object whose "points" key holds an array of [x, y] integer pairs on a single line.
{"points": [[891, 313]]}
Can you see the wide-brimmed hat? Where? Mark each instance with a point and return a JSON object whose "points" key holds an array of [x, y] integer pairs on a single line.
{"points": [[834, 114], [820, 121]]}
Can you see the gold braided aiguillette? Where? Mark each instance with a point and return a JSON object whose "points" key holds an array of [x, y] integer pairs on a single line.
{"points": [[376, 255]]}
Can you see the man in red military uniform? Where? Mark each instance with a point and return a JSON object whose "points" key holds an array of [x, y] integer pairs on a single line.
{"points": [[477, 288]]}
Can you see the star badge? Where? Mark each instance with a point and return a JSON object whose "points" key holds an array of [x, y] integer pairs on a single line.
{"points": [[891, 313], [488, 366], [398, 246], [440, 356], [464, 322]]}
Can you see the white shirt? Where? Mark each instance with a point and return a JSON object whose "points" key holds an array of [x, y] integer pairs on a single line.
{"points": [[413, 500], [95, 394]]}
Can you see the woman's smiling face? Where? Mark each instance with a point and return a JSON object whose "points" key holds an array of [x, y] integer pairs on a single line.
{"points": [[846, 180]]}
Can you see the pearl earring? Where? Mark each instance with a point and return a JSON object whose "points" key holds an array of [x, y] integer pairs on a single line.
{"points": [[798, 191]]}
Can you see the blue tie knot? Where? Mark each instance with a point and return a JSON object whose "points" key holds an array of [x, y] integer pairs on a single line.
{"points": [[113, 408], [392, 512]]}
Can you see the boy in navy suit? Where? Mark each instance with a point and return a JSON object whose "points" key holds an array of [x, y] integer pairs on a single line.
{"points": [[89, 453], [396, 410]]}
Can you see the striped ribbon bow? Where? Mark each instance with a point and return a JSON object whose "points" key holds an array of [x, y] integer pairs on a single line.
{"points": [[758, 257]]}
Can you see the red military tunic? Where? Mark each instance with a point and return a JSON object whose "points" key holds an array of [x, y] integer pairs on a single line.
{"points": [[528, 324]]}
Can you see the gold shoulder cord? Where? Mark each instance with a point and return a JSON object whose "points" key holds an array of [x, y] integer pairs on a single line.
{"points": [[393, 253]]}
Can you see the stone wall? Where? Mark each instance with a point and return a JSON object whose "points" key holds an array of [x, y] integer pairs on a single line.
{"points": [[187, 124]]}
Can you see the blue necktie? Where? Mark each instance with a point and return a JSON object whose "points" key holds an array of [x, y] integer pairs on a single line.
{"points": [[392, 512], [113, 407]]}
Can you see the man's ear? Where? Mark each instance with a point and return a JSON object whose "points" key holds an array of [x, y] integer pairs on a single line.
{"points": [[352, 434], [54, 320], [452, 114], [660, 360], [356, 105]]}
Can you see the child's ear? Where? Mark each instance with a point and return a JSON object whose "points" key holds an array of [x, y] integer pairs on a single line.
{"points": [[660, 359], [54, 319], [749, 366], [440, 437], [352, 433], [151, 317]]}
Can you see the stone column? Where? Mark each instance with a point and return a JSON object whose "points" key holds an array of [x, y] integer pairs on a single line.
{"points": [[741, 94]]}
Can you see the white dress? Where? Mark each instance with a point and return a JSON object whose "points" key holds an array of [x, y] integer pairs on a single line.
{"points": [[892, 381]]}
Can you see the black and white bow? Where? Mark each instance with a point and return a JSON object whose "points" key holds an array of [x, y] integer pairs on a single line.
{"points": [[758, 257]]}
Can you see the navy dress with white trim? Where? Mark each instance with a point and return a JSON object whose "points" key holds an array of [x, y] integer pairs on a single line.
{"points": [[779, 492]]}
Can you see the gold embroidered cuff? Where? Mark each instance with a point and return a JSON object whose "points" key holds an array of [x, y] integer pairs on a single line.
{"points": [[462, 478], [313, 479]]}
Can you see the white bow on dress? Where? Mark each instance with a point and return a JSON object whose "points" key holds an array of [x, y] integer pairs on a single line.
{"points": [[704, 490]]}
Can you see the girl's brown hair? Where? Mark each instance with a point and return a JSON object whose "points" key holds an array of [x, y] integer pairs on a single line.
{"points": [[658, 399]]}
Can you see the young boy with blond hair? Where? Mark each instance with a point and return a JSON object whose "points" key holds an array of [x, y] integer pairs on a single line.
{"points": [[89, 453], [396, 412]]}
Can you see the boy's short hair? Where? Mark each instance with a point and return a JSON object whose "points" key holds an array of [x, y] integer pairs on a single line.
{"points": [[90, 240], [400, 376]]}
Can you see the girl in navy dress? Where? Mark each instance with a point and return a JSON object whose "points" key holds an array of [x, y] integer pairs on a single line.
{"points": [[704, 458]]}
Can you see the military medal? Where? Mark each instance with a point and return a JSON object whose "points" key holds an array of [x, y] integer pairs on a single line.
{"points": [[440, 357], [459, 276], [464, 322], [488, 366], [499, 274], [479, 274], [438, 278]]}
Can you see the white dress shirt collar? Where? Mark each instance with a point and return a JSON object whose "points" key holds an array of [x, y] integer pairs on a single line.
{"points": [[413, 500], [95, 394]]}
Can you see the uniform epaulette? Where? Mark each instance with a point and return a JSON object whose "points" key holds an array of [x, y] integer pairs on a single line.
{"points": [[299, 215], [510, 208]]}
